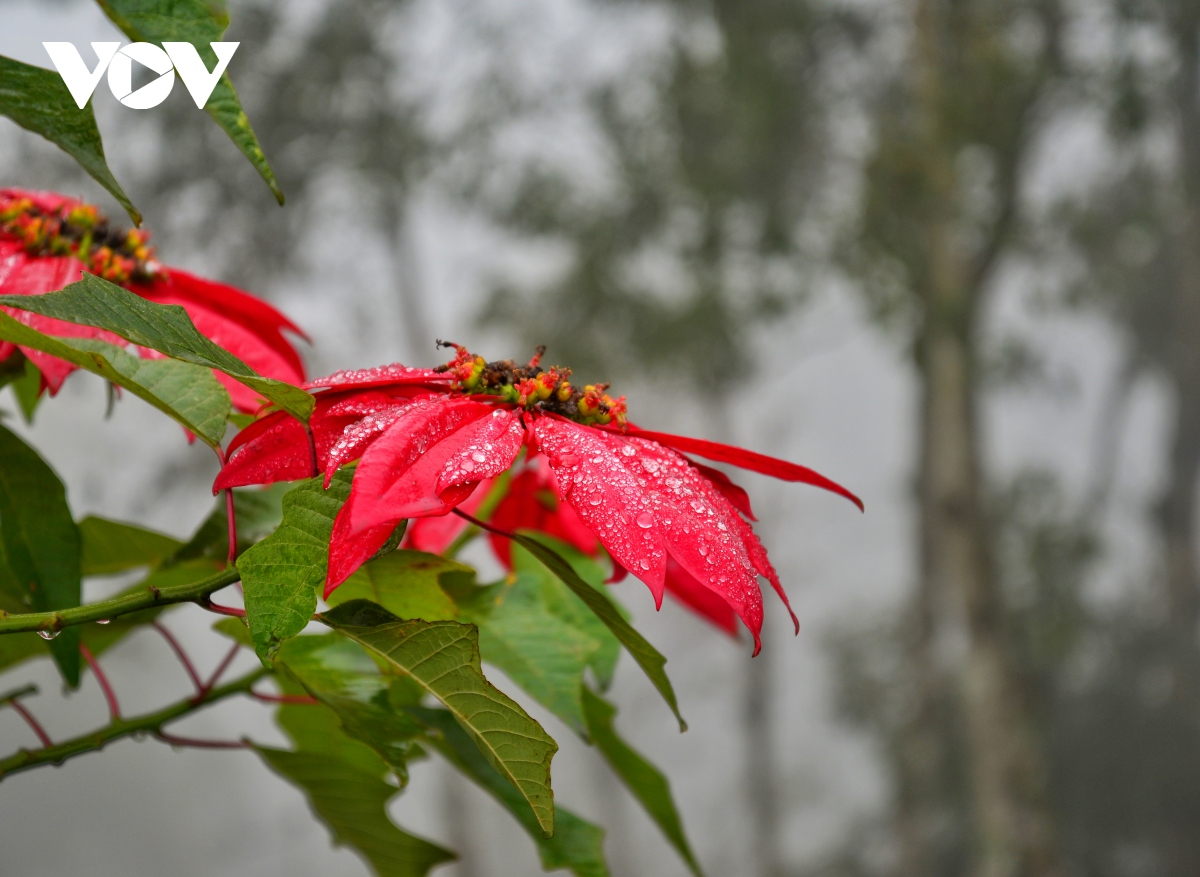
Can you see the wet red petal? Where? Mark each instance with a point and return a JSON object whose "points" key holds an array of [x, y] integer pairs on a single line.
{"points": [[381, 376], [272, 448], [702, 527], [358, 435], [685, 588], [431, 458], [532, 504], [593, 479], [275, 447], [758, 557], [435, 535], [348, 550], [744, 459], [732, 492]]}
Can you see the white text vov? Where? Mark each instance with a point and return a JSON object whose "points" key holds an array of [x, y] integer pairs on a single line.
{"points": [[171, 58]]}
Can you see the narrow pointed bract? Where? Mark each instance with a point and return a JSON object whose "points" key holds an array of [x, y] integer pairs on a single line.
{"points": [[424, 440]]}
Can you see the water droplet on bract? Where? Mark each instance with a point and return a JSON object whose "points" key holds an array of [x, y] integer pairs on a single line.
{"points": [[468, 466], [645, 520], [703, 549], [479, 457], [48, 634], [645, 564], [628, 450], [104, 621], [596, 499]]}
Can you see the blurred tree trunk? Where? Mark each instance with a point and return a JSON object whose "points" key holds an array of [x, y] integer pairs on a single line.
{"points": [[1177, 508], [961, 653]]}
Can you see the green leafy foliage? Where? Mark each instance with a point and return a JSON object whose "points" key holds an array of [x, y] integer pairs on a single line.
{"points": [[542, 636], [344, 782], [647, 657], [168, 329], [443, 658], [39, 101], [40, 542], [281, 574], [409, 584], [27, 389], [112, 546], [577, 845], [198, 22], [642, 778], [190, 395], [340, 674]]}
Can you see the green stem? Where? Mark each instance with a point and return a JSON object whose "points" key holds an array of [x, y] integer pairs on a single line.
{"points": [[109, 609], [484, 512], [151, 723]]}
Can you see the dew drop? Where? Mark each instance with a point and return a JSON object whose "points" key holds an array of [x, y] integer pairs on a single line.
{"points": [[645, 564], [479, 457], [48, 634], [104, 621], [645, 520]]}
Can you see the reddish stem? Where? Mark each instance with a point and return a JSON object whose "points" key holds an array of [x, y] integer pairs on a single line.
{"points": [[231, 515], [222, 610], [221, 668], [181, 654], [312, 450], [32, 723], [201, 744], [284, 698], [114, 708]]}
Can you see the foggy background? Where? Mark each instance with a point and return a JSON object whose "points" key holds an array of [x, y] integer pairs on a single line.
{"points": [[947, 253]]}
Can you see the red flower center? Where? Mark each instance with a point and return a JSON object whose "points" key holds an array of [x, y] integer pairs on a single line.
{"points": [[82, 232], [533, 388]]}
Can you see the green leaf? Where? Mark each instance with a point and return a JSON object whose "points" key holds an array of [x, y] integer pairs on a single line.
{"points": [[281, 574], [344, 782], [236, 630], [198, 22], [113, 547], [39, 101], [189, 394], [537, 648], [648, 658], [27, 389], [577, 845], [168, 329], [341, 674], [443, 658], [563, 602], [406, 583], [40, 541], [642, 778]]}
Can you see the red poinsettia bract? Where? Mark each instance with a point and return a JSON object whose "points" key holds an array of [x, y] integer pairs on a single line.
{"points": [[425, 439], [48, 240], [531, 503]]}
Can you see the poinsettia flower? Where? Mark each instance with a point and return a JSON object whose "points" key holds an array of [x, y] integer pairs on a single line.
{"points": [[48, 240], [531, 503], [424, 440]]}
